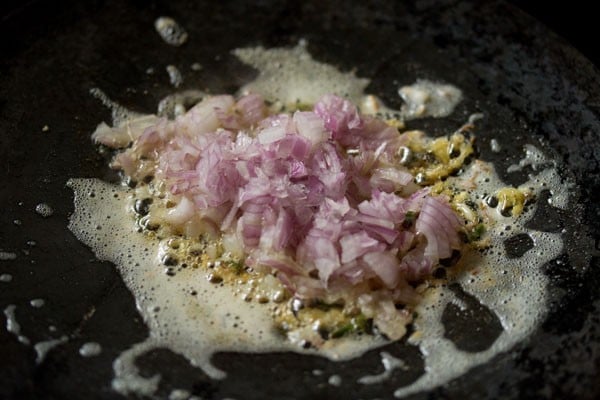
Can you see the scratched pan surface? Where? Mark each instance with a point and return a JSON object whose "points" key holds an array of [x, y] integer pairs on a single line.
{"points": [[530, 84]]}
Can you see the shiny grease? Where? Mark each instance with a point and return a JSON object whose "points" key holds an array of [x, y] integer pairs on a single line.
{"points": [[214, 319]]}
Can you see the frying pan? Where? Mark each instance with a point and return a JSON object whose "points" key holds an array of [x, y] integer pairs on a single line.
{"points": [[532, 87]]}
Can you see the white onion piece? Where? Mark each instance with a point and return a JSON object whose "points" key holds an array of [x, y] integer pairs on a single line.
{"points": [[181, 213], [124, 133]]}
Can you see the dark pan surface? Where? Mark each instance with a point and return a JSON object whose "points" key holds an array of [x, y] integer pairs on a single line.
{"points": [[530, 84]]}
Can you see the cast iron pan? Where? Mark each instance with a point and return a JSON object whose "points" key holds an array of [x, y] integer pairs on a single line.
{"points": [[531, 86]]}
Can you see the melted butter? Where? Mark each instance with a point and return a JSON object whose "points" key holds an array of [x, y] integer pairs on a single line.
{"points": [[514, 289], [179, 394], [428, 99], [195, 326], [45, 210], [42, 348], [292, 76], [7, 255], [533, 157], [170, 31], [198, 326], [390, 363], [175, 76], [119, 113], [335, 380], [178, 103], [12, 325], [6, 278], [90, 349], [37, 303]]}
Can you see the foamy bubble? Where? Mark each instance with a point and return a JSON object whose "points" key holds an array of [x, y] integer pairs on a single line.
{"points": [[428, 99], [43, 348], [196, 326], [175, 76], [7, 255], [44, 209], [12, 326], [515, 290], [6, 278], [292, 75], [170, 31], [213, 320], [119, 113], [90, 349], [37, 303]]}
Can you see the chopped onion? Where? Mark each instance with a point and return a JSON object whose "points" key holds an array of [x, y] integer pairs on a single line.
{"points": [[180, 214], [315, 198]]}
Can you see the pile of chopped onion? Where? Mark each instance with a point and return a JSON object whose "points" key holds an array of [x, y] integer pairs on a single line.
{"points": [[318, 197]]}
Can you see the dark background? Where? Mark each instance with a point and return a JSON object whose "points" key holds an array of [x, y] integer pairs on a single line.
{"points": [[539, 81], [573, 20]]}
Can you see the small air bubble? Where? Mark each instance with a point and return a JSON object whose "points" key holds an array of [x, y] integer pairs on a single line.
{"points": [[37, 303], [175, 76], [170, 31], [44, 210]]}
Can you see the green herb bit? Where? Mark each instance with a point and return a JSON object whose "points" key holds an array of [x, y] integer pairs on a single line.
{"points": [[356, 324], [237, 266], [476, 233], [409, 219]]}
